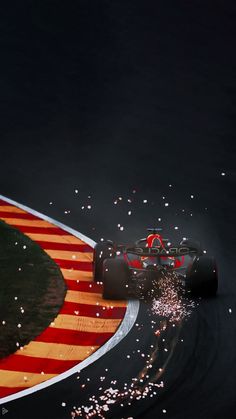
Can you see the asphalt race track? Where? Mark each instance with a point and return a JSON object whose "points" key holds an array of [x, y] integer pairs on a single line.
{"points": [[117, 117], [198, 366]]}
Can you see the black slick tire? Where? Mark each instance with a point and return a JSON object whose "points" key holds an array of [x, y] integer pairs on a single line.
{"points": [[202, 277], [116, 279], [102, 251]]}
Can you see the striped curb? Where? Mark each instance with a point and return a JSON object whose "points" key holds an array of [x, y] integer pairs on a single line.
{"points": [[85, 321]]}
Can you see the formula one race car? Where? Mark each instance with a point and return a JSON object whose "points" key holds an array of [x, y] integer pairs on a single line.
{"points": [[130, 271]]}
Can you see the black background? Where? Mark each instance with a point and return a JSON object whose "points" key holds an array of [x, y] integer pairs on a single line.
{"points": [[108, 97]]}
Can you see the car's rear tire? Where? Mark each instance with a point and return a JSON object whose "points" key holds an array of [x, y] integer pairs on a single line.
{"points": [[116, 279], [202, 277], [102, 251]]}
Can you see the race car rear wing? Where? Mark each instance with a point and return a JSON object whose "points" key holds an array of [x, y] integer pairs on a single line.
{"points": [[173, 251]]}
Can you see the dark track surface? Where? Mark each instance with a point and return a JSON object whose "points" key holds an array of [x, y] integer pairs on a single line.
{"points": [[109, 98], [199, 380]]}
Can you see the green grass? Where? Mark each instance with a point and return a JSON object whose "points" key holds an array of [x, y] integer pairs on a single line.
{"points": [[32, 290]]}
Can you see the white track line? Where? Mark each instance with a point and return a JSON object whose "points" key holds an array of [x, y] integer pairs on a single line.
{"points": [[124, 328]]}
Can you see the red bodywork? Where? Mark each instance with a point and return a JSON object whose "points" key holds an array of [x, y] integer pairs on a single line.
{"points": [[154, 240]]}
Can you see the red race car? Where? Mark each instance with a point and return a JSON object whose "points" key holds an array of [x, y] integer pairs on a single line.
{"points": [[130, 271]]}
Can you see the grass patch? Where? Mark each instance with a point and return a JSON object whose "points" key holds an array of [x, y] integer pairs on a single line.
{"points": [[32, 290]]}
